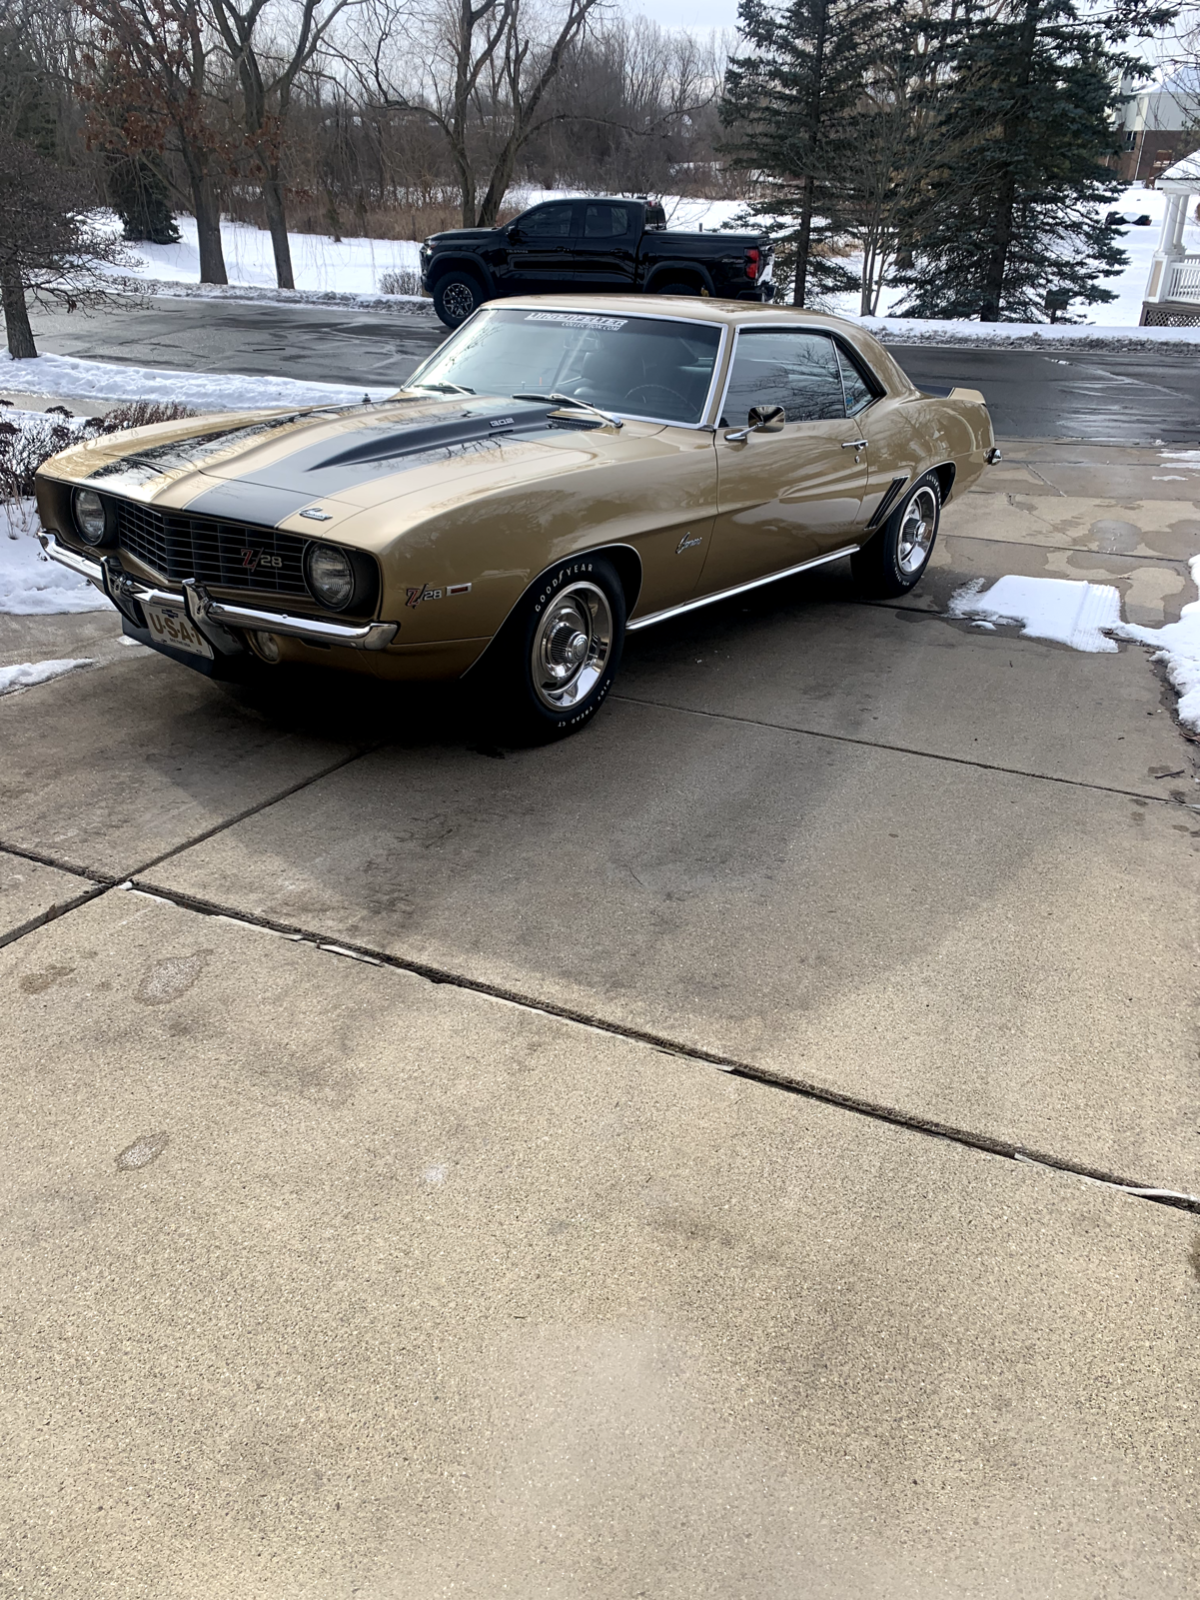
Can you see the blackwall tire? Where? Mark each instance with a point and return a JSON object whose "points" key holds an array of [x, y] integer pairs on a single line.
{"points": [[455, 296], [554, 663], [894, 560]]}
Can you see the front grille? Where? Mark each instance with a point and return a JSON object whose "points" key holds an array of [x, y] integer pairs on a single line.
{"points": [[226, 555]]}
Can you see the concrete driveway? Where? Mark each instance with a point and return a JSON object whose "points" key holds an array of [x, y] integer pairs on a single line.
{"points": [[437, 1170]]}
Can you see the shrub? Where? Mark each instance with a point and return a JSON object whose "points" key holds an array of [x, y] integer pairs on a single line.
{"points": [[404, 280], [27, 439]]}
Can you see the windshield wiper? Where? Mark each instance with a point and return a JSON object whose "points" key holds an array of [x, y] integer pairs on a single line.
{"points": [[446, 388], [572, 400]]}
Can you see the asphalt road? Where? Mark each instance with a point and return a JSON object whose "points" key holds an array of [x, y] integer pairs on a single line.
{"points": [[1121, 398]]}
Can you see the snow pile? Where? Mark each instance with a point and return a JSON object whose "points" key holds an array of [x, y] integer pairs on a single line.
{"points": [[1071, 613], [912, 330], [206, 391], [404, 305], [31, 585], [27, 673], [1084, 616], [1178, 648]]}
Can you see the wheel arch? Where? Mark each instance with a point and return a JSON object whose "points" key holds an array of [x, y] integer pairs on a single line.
{"points": [[945, 474], [677, 271], [624, 558], [441, 265]]}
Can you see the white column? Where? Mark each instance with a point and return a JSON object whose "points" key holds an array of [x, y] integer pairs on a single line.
{"points": [[1170, 217], [1181, 218]]}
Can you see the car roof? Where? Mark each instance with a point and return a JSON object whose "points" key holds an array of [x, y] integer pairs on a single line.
{"points": [[696, 308]]}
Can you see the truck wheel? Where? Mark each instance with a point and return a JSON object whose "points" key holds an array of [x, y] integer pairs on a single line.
{"points": [[678, 286], [892, 560], [559, 652], [455, 296]]}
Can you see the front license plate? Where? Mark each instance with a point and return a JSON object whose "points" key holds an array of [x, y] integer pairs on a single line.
{"points": [[174, 630]]}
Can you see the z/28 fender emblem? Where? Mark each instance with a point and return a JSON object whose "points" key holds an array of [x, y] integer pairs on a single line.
{"points": [[414, 597]]}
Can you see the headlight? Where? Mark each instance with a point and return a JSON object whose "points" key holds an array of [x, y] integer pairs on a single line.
{"points": [[91, 520], [330, 575]]}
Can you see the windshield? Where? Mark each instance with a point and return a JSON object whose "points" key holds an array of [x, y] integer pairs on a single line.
{"points": [[634, 366]]}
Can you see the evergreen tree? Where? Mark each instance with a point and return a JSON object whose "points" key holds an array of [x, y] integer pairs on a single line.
{"points": [[1028, 112], [138, 194], [794, 100]]}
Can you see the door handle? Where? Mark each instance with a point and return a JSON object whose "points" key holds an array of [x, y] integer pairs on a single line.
{"points": [[854, 444]]}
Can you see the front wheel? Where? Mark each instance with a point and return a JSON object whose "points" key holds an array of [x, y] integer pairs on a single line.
{"points": [[893, 560], [455, 296], [559, 651]]}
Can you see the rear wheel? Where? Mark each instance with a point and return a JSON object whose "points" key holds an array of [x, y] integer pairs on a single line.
{"points": [[893, 560], [559, 652], [679, 286], [455, 296]]}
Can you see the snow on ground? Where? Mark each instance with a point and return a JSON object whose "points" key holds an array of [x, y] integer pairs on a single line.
{"points": [[28, 673], [1178, 648], [1087, 616], [206, 391], [1047, 608], [31, 585], [349, 266], [347, 272]]}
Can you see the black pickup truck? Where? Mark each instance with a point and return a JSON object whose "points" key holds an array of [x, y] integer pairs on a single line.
{"points": [[603, 244]]}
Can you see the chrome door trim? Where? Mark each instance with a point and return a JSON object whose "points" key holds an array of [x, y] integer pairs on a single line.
{"points": [[741, 588]]}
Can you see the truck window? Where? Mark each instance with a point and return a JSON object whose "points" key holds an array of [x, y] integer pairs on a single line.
{"points": [[785, 367], [607, 222], [546, 222]]}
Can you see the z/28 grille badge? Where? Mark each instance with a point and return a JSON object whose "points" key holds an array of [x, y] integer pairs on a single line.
{"points": [[414, 597]]}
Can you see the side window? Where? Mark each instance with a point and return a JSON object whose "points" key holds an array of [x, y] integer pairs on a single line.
{"points": [[793, 369], [607, 222], [547, 222], [859, 393]]}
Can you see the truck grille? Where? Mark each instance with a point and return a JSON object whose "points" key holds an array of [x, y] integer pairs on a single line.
{"points": [[227, 555]]}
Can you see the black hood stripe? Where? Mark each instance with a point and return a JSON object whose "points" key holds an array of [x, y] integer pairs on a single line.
{"points": [[386, 446]]}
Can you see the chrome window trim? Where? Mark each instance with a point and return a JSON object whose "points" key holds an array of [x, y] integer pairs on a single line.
{"points": [[703, 426], [774, 326], [740, 588]]}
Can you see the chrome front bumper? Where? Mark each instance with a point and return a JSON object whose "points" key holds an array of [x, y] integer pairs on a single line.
{"points": [[214, 617]]}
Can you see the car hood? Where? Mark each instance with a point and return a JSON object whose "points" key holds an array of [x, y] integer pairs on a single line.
{"points": [[319, 470]]}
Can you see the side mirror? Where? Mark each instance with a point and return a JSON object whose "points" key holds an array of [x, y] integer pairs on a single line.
{"points": [[512, 233], [762, 419]]}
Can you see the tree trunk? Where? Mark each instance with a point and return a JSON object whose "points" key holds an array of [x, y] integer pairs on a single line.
{"points": [[802, 243], [1004, 204], [498, 187], [16, 314], [208, 230], [272, 189]]}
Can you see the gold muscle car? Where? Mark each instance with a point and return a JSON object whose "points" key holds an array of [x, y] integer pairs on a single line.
{"points": [[561, 472]]}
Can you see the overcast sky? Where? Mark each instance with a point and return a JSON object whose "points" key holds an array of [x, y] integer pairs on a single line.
{"points": [[688, 13]]}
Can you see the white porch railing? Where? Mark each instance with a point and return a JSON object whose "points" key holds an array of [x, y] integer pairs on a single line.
{"points": [[1183, 280]]}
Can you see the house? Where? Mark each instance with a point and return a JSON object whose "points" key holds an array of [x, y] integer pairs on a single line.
{"points": [[1158, 126], [1173, 291]]}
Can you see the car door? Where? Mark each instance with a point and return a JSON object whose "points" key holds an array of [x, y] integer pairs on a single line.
{"points": [[540, 255], [606, 249], [795, 495]]}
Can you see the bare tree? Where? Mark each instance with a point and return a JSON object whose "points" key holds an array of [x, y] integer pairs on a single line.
{"points": [[49, 249], [148, 92], [271, 46], [485, 85]]}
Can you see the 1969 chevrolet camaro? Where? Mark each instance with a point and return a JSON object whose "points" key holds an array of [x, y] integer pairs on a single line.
{"points": [[559, 473]]}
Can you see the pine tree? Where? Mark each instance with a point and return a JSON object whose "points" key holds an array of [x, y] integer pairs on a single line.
{"points": [[1028, 113], [138, 194], [794, 101]]}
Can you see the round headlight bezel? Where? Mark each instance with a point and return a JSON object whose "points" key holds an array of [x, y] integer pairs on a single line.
{"points": [[94, 535], [344, 597]]}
